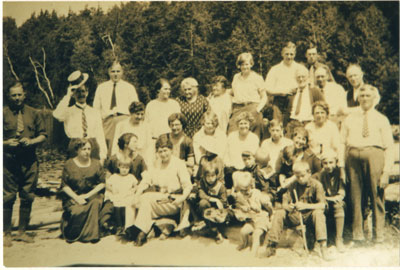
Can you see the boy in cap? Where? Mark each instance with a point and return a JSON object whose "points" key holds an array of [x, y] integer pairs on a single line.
{"points": [[333, 184], [251, 207], [81, 120], [23, 130]]}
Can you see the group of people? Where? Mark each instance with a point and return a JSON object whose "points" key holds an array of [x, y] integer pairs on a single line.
{"points": [[288, 150]]}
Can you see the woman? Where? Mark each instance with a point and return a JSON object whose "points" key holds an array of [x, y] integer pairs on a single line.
{"points": [[292, 153], [134, 124], [159, 109], [182, 145], [238, 142], [324, 134], [82, 195], [170, 183], [249, 94], [220, 101], [209, 133], [193, 105]]}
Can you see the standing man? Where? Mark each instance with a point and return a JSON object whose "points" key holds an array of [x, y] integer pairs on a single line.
{"points": [[355, 76], [81, 120], [313, 64], [367, 136], [332, 92], [300, 106], [23, 130], [112, 99], [281, 79]]}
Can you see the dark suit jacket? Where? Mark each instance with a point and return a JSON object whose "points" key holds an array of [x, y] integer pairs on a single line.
{"points": [[315, 95]]}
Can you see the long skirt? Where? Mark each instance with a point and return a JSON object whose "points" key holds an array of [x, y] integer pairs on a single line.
{"points": [[256, 126], [81, 222]]}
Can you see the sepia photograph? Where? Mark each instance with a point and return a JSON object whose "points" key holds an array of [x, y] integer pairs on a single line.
{"points": [[201, 134]]}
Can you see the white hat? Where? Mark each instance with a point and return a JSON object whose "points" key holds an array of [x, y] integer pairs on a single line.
{"points": [[76, 79]]}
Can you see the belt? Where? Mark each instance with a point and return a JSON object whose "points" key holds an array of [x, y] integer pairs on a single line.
{"points": [[243, 103], [366, 147]]}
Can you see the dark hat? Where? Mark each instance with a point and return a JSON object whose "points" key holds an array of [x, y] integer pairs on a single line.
{"points": [[76, 79]]}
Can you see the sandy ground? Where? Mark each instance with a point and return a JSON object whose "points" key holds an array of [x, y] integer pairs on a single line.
{"points": [[50, 250]]}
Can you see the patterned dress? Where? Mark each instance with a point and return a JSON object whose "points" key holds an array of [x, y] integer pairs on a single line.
{"points": [[193, 113]]}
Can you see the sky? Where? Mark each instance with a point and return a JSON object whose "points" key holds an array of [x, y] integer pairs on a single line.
{"points": [[22, 10]]}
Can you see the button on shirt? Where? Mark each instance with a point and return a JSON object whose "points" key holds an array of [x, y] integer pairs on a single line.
{"points": [[247, 89], [125, 94], [72, 118], [281, 79], [380, 133]]}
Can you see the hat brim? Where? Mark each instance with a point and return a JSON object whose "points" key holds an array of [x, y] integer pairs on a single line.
{"points": [[85, 78]]}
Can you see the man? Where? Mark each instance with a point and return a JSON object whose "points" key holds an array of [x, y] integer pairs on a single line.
{"points": [[313, 64], [355, 76], [23, 130], [81, 120], [305, 197], [332, 92], [112, 99], [281, 80], [367, 136], [300, 106]]}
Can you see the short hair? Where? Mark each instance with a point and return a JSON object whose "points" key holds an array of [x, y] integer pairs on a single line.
{"points": [[301, 165], [76, 144], [329, 153], [209, 114], [288, 153], [289, 46], [354, 66], [210, 167], [220, 79], [311, 46], [368, 87], [300, 131], [124, 140], [242, 179], [17, 85], [136, 107], [275, 123], [243, 57], [248, 153], [163, 141], [159, 83], [124, 162], [325, 68], [190, 81], [177, 116], [245, 116], [113, 63], [322, 104], [301, 69]]}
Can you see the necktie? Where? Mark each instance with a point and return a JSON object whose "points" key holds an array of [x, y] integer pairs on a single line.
{"points": [[299, 102], [113, 98], [312, 76], [20, 123], [365, 132], [84, 121]]}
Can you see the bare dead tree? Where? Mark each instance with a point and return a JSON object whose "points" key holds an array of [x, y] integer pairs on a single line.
{"points": [[40, 71], [10, 64], [107, 39]]}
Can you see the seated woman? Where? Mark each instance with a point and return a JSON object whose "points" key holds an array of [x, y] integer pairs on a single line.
{"points": [[193, 105], [209, 133], [249, 95], [239, 142], [134, 124], [81, 189], [182, 145], [299, 151], [170, 182]]}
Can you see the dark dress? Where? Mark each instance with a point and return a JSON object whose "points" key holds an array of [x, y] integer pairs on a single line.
{"points": [[193, 113], [81, 222]]}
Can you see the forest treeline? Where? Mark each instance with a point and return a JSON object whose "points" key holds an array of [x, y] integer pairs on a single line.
{"points": [[200, 39]]}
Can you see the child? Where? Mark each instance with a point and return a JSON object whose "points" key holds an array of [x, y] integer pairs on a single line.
{"points": [[120, 190], [221, 101], [213, 200], [249, 208], [331, 180], [260, 176]]}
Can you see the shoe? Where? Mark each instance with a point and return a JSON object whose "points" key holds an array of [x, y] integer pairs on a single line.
{"points": [[24, 237], [270, 251], [243, 245], [120, 231], [339, 245], [325, 254], [141, 239], [7, 240], [219, 239], [163, 236]]}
